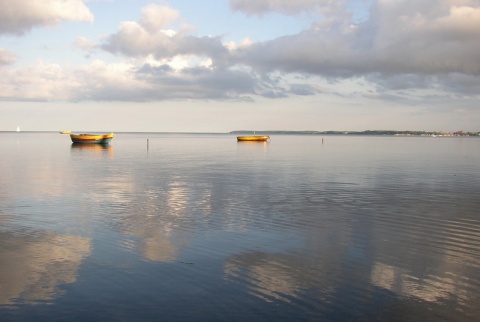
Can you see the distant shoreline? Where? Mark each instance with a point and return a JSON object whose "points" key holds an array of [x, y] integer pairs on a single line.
{"points": [[367, 132], [281, 132]]}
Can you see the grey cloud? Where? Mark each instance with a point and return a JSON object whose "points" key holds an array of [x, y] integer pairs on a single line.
{"points": [[206, 83], [289, 7], [211, 47], [201, 82], [404, 44], [149, 69], [274, 94], [303, 89], [467, 85], [460, 84], [313, 51], [157, 83], [401, 81], [344, 55], [152, 83]]}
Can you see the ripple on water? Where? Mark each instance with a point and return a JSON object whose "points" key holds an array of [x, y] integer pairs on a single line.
{"points": [[198, 228]]}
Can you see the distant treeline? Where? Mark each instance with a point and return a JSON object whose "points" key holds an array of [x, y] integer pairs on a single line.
{"points": [[367, 132]]}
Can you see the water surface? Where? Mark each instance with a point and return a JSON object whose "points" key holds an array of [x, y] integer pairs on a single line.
{"points": [[198, 227]]}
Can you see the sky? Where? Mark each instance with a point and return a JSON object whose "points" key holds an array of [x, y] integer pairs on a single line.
{"points": [[225, 65]]}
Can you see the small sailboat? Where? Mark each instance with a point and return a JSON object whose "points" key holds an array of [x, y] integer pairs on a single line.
{"points": [[18, 128]]}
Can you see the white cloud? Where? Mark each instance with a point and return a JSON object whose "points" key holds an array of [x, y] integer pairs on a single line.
{"points": [[19, 16], [134, 40], [155, 17], [41, 82], [95, 81], [149, 38], [100, 81]]}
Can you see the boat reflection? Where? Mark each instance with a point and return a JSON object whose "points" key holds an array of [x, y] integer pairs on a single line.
{"points": [[252, 142], [93, 149], [249, 148]]}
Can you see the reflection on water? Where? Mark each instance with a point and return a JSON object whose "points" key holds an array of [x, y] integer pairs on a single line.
{"points": [[201, 227], [268, 276], [432, 289], [153, 230], [34, 265], [99, 150]]}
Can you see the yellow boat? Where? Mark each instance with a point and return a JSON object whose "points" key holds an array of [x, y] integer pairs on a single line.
{"points": [[253, 138], [92, 138], [65, 132]]}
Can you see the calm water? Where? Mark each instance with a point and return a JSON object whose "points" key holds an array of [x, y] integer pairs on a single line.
{"points": [[201, 228]]}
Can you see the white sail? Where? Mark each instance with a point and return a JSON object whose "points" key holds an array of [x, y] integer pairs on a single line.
{"points": [[18, 128]]}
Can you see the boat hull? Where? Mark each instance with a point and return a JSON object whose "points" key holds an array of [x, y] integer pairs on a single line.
{"points": [[92, 138], [253, 138]]}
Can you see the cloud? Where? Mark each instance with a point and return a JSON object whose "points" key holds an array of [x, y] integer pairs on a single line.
{"points": [[85, 44], [462, 21], [97, 81], [155, 17], [101, 81], [304, 89], [148, 36], [260, 7], [462, 84], [426, 36], [410, 43], [404, 47], [198, 82], [42, 82], [123, 82], [6, 57], [20, 16]]}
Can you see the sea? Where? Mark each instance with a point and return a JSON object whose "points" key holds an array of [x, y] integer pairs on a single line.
{"points": [[200, 227]]}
